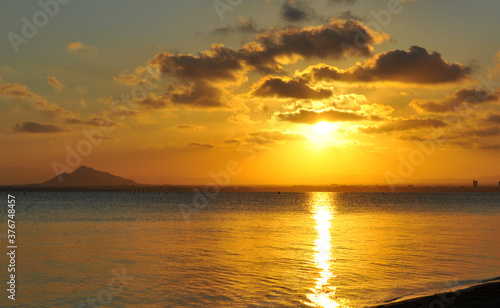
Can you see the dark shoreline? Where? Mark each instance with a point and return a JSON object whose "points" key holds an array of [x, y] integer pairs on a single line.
{"points": [[484, 295]]}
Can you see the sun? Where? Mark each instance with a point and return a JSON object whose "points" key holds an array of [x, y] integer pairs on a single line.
{"points": [[322, 128], [322, 133]]}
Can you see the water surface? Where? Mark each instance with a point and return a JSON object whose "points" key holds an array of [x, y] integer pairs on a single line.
{"points": [[250, 249]]}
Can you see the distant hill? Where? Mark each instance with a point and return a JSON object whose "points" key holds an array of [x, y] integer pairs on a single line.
{"points": [[86, 176]]}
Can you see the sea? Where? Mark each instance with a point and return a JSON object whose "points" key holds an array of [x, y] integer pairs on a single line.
{"points": [[215, 249]]}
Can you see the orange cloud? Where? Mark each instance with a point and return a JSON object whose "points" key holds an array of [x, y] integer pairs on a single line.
{"points": [[16, 90], [403, 125], [330, 114], [55, 84], [80, 47]]}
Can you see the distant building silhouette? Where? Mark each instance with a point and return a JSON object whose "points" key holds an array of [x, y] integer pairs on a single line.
{"points": [[474, 183]]}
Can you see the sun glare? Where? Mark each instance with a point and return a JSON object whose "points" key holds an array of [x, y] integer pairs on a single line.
{"points": [[322, 133], [323, 127]]}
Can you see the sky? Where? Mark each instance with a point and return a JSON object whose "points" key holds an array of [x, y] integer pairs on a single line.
{"points": [[251, 92]]}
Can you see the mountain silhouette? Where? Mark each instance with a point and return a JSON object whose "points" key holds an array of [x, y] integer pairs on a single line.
{"points": [[86, 176]]}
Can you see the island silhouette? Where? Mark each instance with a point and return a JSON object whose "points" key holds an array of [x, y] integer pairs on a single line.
{"points": [[87, 177]]}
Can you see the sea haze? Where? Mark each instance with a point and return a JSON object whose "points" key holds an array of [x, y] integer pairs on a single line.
{"points": [[251, 249]]}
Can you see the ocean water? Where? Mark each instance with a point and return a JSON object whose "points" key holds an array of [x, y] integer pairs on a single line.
{"points": [[122, 249]]}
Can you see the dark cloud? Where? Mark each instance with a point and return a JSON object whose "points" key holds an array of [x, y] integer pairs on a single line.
{"points": [[282, 87], [34, 127], [331, 114], [200, 94], [190, 127], [415, 65], [333, 40], [490, 146], [153, 102], [461, 99], [494, 118], [94, 121], [201, 146], [243, 26], [296, 11], [482, 132], [201, 80], [403, 125], [218, 64]]}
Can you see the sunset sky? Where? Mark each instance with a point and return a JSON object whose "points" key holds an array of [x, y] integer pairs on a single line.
{"points": [[294, 92]]}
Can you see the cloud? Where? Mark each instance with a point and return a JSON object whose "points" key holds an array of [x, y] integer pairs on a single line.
{"points": [[481, 132], [94, 121], [55, 84], [296, 11], [202, 80], [188, 128], [494, 118], [349, 15], [153, 102], [34, 127], [415, 65], [200, 146], [463, 98], [7, 69], [490, 146], [240, 119], [16, 90], [282, 87], [51, 110], [200, 94], [330, 114], [376, 110], [272, 136], [333, 40], [243, 26], [129, 79], [80, 47], [403, 125], [21, 91], [141, 75]]}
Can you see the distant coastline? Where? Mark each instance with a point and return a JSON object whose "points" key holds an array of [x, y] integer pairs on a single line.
{"points": [[262, 188], [89, 179]]}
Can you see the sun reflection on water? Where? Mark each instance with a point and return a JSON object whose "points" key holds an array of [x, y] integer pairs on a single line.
{"points": [[323, 293]]}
